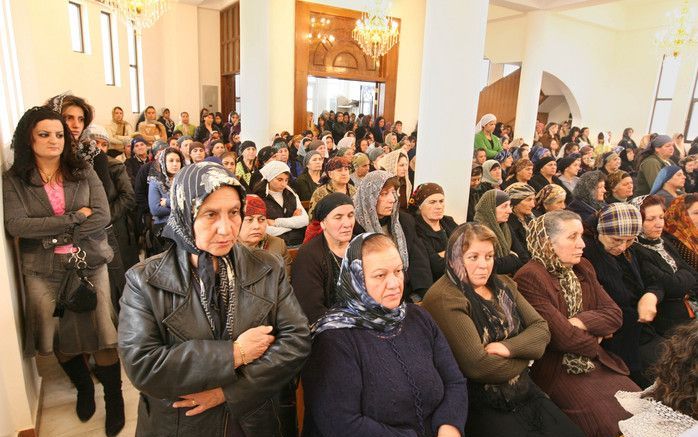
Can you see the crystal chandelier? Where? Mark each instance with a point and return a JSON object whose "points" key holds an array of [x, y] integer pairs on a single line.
{"points": [[375, 32], [319, 30], [681, 34], [140, 13]]}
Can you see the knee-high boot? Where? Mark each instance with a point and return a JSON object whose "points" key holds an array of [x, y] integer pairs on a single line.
{"points": [[110, 377], [79, 374]]}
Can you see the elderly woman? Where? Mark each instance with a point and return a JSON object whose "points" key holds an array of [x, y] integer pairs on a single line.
{"points": [[253, 231], [491, 176], [485, 139], [589, 195], [360, 165], [523, 200], [569, 167], [681, 227], [433, 226], [520, 171], [380, 366], [669, 183], [493, 333], [608, 248], [54, 203], [609, 163], [493, 210], [337, 178], [377, 210], [310, 179], [315, 270], [661, 263], [619, 187], [652, 159], [211, 331], [544, 172], [397, 164], [575, 371], [551, 198]]}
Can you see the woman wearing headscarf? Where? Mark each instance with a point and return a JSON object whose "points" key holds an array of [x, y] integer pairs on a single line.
{"points": [[537, 152], [493, 333], [588, 159], [661, 263], [652, 160], [120, 130], [619, 187], [521, 171], [491, 176], [485, 138], [283, 155], [575, 371], [310, 179], [380, 366], [609, 248], [523, 200], [337, 180], [493, 210], [669, 183], [589, 195], [360, 165], [544, 172], [286, 217], [681, 227], [609, 163], [627, 161], [397, 164], [167, 122], [139, 156], [264, 156], [316, 268], [245, 165], [377, 210], [551, 198], [569, 167], [151, 129], [433, 226], [168, 164], [216, 370], [505, 160]]}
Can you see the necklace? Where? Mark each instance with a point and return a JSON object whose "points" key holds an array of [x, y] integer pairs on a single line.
{"points": [[46, 177]]}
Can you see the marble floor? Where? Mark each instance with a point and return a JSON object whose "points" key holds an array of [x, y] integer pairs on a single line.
{"points": [[58, 418]]}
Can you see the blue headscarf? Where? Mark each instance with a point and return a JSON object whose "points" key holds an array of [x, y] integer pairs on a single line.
{"points": [[663, 177]]}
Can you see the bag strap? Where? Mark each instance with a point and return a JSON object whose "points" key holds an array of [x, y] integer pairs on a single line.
{"points": [[77, 261]]}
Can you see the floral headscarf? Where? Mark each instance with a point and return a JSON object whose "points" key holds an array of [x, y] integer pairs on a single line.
{"points": [[389, 164]]}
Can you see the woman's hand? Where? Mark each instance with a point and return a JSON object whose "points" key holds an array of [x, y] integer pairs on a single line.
{"points": [[297, 212], [448, 431], [252, 344], [578, 323], [647, 308], [85, 211], [499, 349], [163, 201], [200, 402]]}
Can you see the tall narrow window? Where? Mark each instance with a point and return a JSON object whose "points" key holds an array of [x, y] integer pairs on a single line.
{"points": [[77, 39], [669, 72], [133, 56], [107, 47], [484, 73], [692, 120]]}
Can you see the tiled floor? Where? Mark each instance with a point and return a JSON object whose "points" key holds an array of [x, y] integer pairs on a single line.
{"points": [[58, 418]]}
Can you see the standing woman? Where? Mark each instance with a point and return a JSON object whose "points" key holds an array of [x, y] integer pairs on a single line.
{"points": [[53, 203], [120, 130], [681, 227], [378, 129], [169, 162], [575, 371], [397, 164], [493, 210], [485, 139]]}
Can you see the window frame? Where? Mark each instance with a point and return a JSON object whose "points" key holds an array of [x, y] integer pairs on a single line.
{"points": [[72, 5], [135, 73], [656, 95], [109, 61], [693, 103]]}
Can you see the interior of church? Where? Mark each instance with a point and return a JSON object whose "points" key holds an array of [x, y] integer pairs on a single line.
{"points": [[611, 79]]}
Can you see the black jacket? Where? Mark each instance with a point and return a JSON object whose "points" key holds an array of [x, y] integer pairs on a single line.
{"points": [[168, 350], [313, 278], [305, 186], [518, 239], [435, 242]]}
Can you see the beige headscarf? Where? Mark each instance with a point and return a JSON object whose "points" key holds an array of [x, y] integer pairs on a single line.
{"points": [[389, 164]]}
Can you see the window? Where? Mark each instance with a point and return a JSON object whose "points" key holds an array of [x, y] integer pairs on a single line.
{"points": [[508, 69], [107, 48], [134, 55], [659, 121], [485, 73], [77, 39], [692, 120]]}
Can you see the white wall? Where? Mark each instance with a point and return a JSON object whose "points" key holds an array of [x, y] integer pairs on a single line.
{"points": [[209, 54]]}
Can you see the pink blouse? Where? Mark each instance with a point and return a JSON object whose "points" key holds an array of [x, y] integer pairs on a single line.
{"points": [[56, 196]]}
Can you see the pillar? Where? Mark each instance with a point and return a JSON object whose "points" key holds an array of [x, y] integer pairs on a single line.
{"points": [[531, 76], [267, 37], [449, 92]]}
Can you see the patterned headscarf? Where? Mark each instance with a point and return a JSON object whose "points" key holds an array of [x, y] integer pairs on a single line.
{"points": [[389, 164], [486, 214], [158, 171], [679, 224], [585, 190], [365, 201], [353, 307], [541, 248], [519, 191], [619, 220], [549, 194]]}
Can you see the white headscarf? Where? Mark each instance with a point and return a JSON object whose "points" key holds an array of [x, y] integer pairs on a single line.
{"points": [[272, 169], [484, 120]]}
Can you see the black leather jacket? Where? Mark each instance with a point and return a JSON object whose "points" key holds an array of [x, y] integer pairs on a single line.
{"points": [[168, 350]]}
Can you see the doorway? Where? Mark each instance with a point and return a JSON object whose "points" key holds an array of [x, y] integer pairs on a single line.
{"points": [[352, 96]]}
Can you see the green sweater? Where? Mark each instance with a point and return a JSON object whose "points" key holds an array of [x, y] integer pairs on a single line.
{"points": [[481, 142]]}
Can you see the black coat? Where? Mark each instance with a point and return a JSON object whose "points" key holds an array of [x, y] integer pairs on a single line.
{"points": [[168, 350], [313, 278], [518, 239], [418, 278], [305, 186], [435, 242]]}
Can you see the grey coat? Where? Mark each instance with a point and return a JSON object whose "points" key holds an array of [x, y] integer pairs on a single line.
{"points": [[168, 350], [29, 216]]}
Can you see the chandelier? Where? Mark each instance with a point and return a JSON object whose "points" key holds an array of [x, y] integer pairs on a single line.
{"points": [[681, 33], [319, 30], [142, 14], [375, 32]]}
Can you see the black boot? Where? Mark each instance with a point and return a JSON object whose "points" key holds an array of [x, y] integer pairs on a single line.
{"points": [[110, 377], [79, 374]]}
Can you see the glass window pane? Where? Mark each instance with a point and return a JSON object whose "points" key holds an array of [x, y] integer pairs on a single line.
{"points": [[667, 81], [107, 53], [131, 37], [508, 69], [660, 119], [133, 73], [75, 27], [485, 73], [693, 123]]}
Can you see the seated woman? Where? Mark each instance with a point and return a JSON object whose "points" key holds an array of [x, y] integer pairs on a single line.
{"points": [[245, 165], [609, 163], [494, 334], [286, 217], [569, 167], [380, 366], [521, 171], [608, 248], [669, 184], [253, 231], [337, 180], [215, 370], [523, 199], [493, 210], [669, 408], [433, 227], [474, 195], [689, 165], [589, 195], [167, 165], [309, 180], [575, 371], [544, 174], [681, 227], [619, 187], [377, 210], [397, 163], [661, 263], [551, 198], [360, 165], [491, 176], [197, 152], [315, 271]]}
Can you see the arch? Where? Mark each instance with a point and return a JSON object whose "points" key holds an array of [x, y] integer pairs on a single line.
{"points": [[345, 59], [551, 85]]}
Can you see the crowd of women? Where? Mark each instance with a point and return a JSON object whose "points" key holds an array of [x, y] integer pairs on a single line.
{"points": [[566, 301]]}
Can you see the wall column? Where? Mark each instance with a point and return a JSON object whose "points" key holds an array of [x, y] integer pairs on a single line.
{"points": [[449, 92], [266, 68]]}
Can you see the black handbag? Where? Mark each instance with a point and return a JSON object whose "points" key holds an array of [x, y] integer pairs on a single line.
{"points": [[76, 293]]}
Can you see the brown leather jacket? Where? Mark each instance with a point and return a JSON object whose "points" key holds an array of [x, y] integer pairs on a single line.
{"points": [[168, 350]]}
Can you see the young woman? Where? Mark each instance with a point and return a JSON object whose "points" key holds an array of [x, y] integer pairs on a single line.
{"points": [[150, 129], [167, 122], [120, 130], [168, 164], [681, 227], [205, 129], [397, 164], [485, 139]]}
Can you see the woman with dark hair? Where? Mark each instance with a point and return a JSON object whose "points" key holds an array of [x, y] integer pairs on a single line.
{"points": [[494, 334], [575, 371], [583, 139], [572, 136], [588, 195], [544, 173], [493, 210], [681, 227], [120, 130], [626, 142], [550, 134], [397, 164], [588, 160], [337, 180], [245, 165], [627, 161], [232, 127], [167, 122], [167, 165], [652, 160], [689, 165], [661, 263], [378, 129], [619, 187], [54, 203], [150, 128], [569, 167], [521, 171], [205, 129], [218, 122], [380, 366], [202, 114], [310, 179]]}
